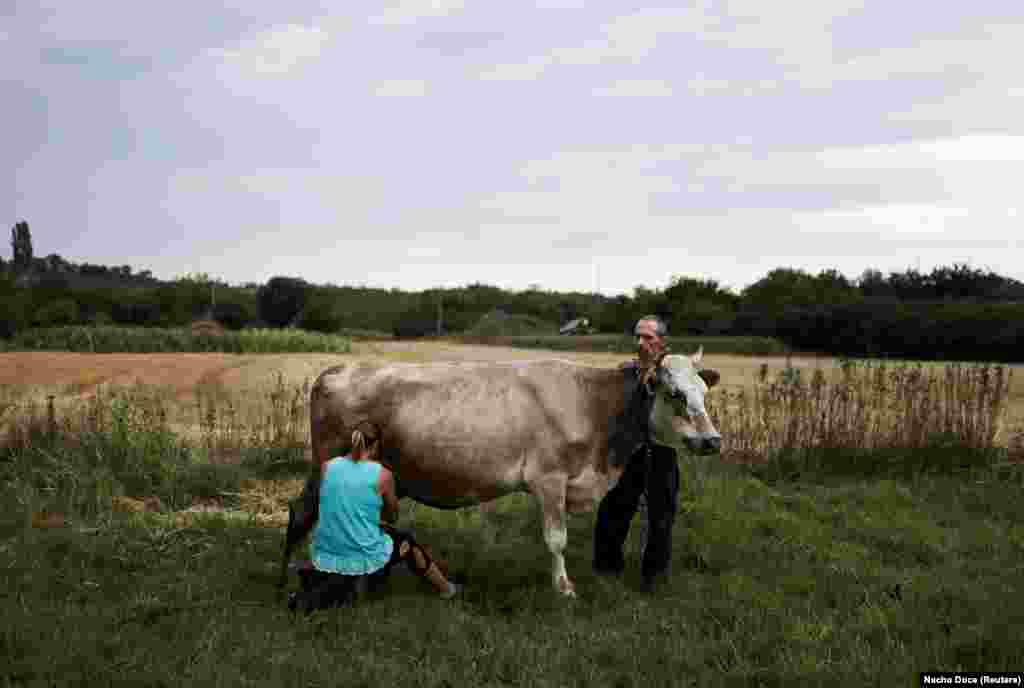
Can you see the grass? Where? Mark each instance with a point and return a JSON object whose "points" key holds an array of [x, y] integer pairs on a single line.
{"points": [[860, 584], [110, 339], [873, 419], [797, 560]]}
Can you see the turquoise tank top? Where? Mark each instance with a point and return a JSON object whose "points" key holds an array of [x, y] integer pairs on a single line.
{"points": [[348, 538]]}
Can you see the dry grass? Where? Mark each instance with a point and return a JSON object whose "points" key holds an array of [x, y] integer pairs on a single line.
{"points": [[866, 408], [231, 402]]}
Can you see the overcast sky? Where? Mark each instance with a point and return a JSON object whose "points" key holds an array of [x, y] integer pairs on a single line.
{"points": [[562, 143]]}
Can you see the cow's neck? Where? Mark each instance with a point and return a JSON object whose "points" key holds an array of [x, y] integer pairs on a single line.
{"points": [[619, 409]]}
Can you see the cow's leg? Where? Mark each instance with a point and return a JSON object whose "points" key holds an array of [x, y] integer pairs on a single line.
{"points": [[550, 493], [489, 521]]}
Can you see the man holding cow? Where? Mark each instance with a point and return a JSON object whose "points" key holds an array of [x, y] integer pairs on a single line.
{"points": [[653, 468], [466, 433]]}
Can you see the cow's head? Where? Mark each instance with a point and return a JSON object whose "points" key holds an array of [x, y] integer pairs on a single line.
{"points": [[678, 411]]}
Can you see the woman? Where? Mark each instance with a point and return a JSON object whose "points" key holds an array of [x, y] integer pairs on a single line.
{"points": [[352, 543]]}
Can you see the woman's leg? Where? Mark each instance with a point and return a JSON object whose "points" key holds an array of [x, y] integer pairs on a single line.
{"points": [[418, 559]]}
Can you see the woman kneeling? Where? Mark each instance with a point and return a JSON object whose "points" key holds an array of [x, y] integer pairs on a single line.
{"points": [[353, 546]]}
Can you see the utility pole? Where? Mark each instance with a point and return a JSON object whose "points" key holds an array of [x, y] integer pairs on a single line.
{"points": [[440, 312]]}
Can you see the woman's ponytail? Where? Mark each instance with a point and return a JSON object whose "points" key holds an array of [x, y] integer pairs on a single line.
{"points": [[364, 437]]}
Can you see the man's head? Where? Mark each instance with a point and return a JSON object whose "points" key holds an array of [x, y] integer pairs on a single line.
{"points": [[650, 334]]}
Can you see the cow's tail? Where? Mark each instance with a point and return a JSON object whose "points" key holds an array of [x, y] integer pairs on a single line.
{"points": [[303, 512]]}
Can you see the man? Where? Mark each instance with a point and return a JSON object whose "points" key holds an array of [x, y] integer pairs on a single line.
{"points": [[654, 469]]}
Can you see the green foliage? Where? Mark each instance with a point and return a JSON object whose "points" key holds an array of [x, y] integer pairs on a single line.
{"points": [[498, 325], [233, 316], [281, 300], [49, 287], [935, 331], [786, 287], [14, 306], [959, 282], [174, 303], [57, 313], [624, 344], [151, 340], [419, 319], [21, 246], [699, 306], [320, 313], [826, 312]]}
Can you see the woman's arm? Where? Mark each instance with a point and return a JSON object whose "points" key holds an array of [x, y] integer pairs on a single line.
{"points": [[386, 488]]}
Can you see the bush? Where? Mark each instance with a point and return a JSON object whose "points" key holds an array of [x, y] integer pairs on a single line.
{"points": [[411, 328], [625, 344], [13, 307], [136, 313], [989, 332], [419, 321], [281, 299], [496, 325], [320, 314], [56, 313], [233, 316]]}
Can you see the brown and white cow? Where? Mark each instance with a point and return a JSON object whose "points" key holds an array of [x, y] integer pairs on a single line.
{"points": [[458, 434]]}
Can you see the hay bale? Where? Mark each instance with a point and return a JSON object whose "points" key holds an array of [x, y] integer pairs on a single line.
{"points": [[207, 328]]}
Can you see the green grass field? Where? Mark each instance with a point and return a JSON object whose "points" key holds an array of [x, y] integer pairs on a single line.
{"points": [[110, 339], [861, 583], [827, 568]]}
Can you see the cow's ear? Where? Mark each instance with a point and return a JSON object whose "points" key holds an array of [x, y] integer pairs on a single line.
{"points": [[710, 377]]}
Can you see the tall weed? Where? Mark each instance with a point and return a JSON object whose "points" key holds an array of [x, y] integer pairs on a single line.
{"points": [[873, 418]]}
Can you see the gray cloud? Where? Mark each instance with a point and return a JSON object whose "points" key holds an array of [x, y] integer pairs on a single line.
{"points": [[453, 142]]}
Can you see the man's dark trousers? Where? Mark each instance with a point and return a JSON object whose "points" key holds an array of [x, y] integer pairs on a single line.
{"points": [[661, 478]]}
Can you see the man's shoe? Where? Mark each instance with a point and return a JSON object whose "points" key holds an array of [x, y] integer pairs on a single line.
{"points": [[605, 572], [650, 584]]}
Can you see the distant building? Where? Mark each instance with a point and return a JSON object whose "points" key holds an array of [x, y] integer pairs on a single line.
{"points": [[577, 326]]}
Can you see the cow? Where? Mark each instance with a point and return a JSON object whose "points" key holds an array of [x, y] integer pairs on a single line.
{"points": [[460, 434]]}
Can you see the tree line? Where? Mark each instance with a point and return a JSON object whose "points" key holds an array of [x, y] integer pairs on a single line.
{"points": [[948, 312]]}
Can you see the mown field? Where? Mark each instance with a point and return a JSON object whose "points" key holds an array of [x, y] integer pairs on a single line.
{"points": [[863, 524]]}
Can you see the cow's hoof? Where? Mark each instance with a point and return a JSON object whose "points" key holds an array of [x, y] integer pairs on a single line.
{"points": [[566, 587]]}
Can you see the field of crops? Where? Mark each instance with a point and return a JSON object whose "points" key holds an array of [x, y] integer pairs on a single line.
{"points": [[862, 524], [111, 339]]}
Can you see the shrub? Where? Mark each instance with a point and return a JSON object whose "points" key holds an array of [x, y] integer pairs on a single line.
{"points": [[13, 308], [419, 321], [233, 316], [56, 313], [281, 299], [495, 325], [320, 314]]}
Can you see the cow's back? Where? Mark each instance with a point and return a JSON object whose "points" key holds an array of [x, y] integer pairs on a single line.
{"points": [[460, 432]]}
